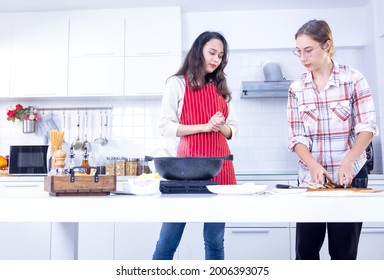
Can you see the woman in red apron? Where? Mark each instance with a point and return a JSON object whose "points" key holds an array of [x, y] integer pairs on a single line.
{"points": [[196, 108]]}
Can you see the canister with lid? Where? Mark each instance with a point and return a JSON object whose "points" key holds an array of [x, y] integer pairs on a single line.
{"points": [[110, 166], [120, 166], [143, 167], [131, 166]]}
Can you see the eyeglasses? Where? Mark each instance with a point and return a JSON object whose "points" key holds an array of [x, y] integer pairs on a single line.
{"points": [[307, 53]]}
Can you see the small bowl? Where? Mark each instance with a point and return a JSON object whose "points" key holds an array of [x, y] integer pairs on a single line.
{"points": [[139, 186]]}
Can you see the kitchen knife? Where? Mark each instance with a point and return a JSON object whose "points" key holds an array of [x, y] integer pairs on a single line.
{"points": [[285, 186]]}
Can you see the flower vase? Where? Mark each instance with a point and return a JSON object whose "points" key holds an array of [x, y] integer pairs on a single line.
{"points": [[29, 126]]}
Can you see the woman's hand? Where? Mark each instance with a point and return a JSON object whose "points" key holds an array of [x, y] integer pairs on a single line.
{"points": [[216, 122], [318, 173], [346, 172]]}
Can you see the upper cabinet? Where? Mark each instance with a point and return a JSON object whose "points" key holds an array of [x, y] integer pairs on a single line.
{"points": [[5, 56], [152, 49], [96, 33], [39, 54], [123, 52], [96, 54], [113, 52], [154, 31]]}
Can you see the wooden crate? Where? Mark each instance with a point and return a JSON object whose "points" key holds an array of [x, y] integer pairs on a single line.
{"points": [[82, 185]]}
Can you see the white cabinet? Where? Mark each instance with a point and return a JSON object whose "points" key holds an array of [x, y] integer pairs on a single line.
{"points": [[257, 243], [96, 33], [148, 74], [154, 31], [135, 241], [39, 54], [96, 54], [96, 241], [5, 55], [24, 241], [96, 76], [152, 49]]}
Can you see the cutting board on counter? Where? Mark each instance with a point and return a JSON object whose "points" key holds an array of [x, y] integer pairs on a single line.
{"points": [[362, 190], [81, 185]]}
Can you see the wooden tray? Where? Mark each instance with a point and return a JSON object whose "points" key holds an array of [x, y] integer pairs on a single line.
{"points": [[81, 185]]}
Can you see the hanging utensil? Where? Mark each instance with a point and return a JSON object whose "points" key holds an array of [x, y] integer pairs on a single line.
{"points": [[77, 144], [100, 140], [105, 142], [86, 144]]}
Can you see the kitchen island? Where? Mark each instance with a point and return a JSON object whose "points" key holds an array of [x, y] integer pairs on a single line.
{"points": [[194, 208], [73, 226]]}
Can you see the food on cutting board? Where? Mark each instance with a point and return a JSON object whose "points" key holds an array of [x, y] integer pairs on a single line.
{"points": [[311, 185], [327, 185]]}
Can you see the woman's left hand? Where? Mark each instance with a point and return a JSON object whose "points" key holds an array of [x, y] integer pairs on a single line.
{"points": [[217, 121], [346, 172]]}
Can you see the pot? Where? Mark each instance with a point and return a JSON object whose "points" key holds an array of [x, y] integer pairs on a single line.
{"points": [[188, 168]]}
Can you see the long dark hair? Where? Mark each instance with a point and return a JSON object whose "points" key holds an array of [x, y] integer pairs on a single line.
{"points": [[194, 63], [319, 31]]}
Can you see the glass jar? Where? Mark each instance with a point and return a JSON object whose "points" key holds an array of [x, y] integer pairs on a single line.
{"points": [[110, 166], [120, 166], [143, 167], [131, 167]]}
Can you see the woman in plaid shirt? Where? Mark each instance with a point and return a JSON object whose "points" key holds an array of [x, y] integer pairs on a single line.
{"points": [[331, 121]]}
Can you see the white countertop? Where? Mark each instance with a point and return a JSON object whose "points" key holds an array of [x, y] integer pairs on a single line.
{"points": [[192, 208]]}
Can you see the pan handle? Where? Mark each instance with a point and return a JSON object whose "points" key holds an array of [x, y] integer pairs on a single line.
{"points": [[227, 157]]}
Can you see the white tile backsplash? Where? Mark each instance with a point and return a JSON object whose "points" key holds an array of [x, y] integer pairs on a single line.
{"points": [[260, 146]]}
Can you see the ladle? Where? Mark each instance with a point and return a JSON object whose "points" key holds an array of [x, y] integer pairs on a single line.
{"points": [[100, 140], [86, 143], [77, 144]]}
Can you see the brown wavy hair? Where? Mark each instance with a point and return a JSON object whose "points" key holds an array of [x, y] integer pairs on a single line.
{"points": [[319, 31], [193, 65]]}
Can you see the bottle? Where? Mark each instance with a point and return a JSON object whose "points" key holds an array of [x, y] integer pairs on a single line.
{"points": [[71, 163], [85, 162]]}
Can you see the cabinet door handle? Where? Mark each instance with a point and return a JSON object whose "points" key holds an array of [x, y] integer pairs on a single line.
{"points": [[243, 231], [21, 186], [372, 230]]}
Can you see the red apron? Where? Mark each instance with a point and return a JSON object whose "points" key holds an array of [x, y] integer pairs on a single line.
{"points": [[198, 108]]}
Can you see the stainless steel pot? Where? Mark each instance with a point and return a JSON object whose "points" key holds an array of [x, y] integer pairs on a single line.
{"points": [[188, 168]]}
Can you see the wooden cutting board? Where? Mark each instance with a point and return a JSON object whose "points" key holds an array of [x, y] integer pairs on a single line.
{"points": [[366, 190]]}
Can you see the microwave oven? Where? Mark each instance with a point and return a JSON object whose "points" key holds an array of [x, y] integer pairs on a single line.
{"points": [[30, 160]]}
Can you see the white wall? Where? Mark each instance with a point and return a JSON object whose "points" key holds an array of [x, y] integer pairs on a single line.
{"points": [[261, 143]]}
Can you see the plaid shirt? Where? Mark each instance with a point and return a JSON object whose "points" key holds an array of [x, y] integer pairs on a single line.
{"points": [[328, 122]]}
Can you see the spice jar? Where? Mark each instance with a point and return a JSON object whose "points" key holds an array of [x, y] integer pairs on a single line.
{"points": [[131, 167], [143, 167], [120, 166], [110, 166]]}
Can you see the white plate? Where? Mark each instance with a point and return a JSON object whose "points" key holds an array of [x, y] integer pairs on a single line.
{"points": [[246, 188], [288, 191]]}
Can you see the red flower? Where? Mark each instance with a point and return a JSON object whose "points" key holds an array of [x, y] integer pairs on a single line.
{"points": [[11, 114], [18, 107]]}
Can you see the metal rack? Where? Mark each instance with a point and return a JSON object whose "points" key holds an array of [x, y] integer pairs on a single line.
{"points": [[101, 108]]}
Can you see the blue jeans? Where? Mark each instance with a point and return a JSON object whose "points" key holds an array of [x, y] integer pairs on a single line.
{"points": [[171, 233]]}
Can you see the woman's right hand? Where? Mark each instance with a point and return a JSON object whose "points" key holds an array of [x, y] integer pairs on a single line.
{"points": [[216, 122], [318, 173]]}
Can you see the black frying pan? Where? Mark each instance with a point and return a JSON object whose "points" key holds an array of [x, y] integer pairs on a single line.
{"points": [[188, 168]]}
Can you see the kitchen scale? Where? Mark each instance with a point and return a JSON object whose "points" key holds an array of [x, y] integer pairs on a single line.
{"points": [[185, 186]]}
